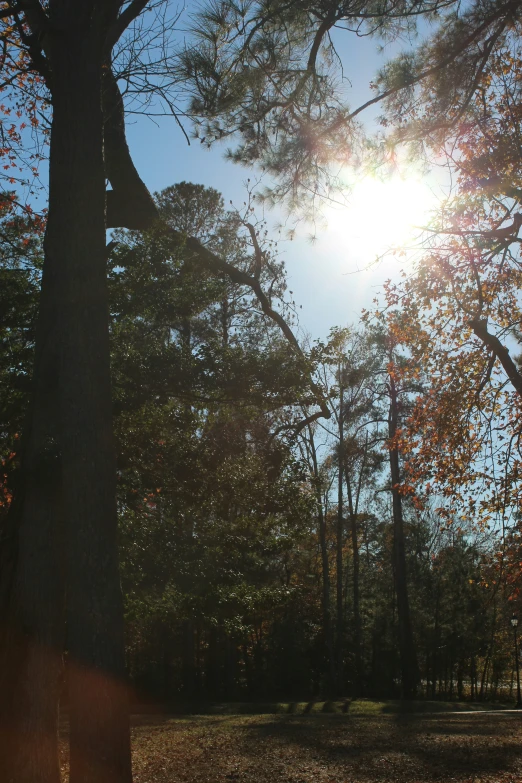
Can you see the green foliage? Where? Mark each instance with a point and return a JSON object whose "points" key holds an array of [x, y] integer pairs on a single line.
{"points": [[268, 73], [20, 264]]}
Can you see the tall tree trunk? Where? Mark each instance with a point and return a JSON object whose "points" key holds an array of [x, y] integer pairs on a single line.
{"points": [[99, 728], [408, 658], [339, 545], [327, 614], [354, 511], [355, 587], [489, 654], [436, 641], [325, 569]]}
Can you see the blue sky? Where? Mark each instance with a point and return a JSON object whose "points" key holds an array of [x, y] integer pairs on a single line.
{"points": [[323, 275]]}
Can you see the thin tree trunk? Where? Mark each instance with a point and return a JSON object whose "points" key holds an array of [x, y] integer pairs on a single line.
{"points": [[99, 727], [436, 642], [213, 667], [325, 568], [188, 668], [428, 674], [339, 546], [224, 317], [354, 510], [409, 677], [485, 671], [356, 590]]}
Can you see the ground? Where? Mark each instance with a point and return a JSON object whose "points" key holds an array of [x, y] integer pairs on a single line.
{"points": [[480, 747]]}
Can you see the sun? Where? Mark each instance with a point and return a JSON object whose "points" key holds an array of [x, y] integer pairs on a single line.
{"points": [[381, 215]]}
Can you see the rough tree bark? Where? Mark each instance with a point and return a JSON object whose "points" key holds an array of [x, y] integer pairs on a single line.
{"points": [[99, 734], [62, 528]]}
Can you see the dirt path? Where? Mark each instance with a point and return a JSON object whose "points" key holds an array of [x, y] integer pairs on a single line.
{"points": [[467, 748]]}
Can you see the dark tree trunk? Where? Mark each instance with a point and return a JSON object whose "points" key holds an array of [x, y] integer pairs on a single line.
{"points": [[353, 507], [231, 666], [460, 680], [188, 667], [225, 321], [198, 667], [489, 654], [99, 730], [408, 658], [473, 675], [325, 569], [429, 670], [356, 589], [436, 643], [213, 664], [64, 525], [339, 547]]}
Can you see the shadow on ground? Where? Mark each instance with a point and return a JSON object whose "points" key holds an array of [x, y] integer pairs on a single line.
{"points": [[326, 748], [409, 748]]}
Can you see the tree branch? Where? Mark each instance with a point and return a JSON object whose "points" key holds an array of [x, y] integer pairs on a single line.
{"points": [[480, 328], [35, 16], [257, 250], [220, 266], [435, 68], [130, 205], [133, 10]]}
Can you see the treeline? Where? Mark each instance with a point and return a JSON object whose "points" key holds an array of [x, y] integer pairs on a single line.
{"points": [[266, 552]]}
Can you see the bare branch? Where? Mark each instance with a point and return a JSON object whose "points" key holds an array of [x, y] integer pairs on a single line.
{"points": [[133, 10]]}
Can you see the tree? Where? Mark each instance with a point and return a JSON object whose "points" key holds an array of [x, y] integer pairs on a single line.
{"points": [[389, 400], [345, 367], [269, 72], [459, 313], [318, 479], [430, 93], [68, 460], [409, 670]]}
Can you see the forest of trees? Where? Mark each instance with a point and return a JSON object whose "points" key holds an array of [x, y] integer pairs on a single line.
{"points": [[264, 555], [194, 500]]}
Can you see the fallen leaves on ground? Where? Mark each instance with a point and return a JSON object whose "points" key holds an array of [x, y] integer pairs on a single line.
{"points": [[477, 748]]}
